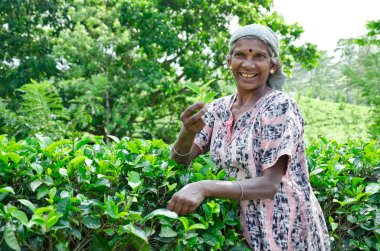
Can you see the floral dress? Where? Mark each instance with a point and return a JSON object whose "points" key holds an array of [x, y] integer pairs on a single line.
{"points": [[293, 219]]}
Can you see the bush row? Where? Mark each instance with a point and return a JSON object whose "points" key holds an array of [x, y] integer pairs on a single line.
{"points": [[83, 194]]}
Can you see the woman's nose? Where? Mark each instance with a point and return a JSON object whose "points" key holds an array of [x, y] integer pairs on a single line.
{"points": [[248, 63]]}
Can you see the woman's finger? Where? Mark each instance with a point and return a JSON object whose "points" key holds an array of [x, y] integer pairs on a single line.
{"points": [[190, 110], [185, 209], [198, 116]]}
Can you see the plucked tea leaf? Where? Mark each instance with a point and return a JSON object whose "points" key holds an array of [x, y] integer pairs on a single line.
{"points": [[209, 97], [193, 87]]}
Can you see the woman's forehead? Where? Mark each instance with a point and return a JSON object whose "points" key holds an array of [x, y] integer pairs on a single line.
{"points": [[252, 43]]}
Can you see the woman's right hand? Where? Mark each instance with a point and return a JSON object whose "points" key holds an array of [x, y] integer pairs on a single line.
{"points": [[194, 123]]}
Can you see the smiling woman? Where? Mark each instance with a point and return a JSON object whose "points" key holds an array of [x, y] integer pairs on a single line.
{"points": [[256, 135]]}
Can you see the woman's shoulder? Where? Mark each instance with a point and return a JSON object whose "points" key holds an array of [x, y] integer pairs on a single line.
{"points": [[280, 98]]}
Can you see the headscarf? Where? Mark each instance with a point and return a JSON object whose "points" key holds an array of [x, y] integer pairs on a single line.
{"points": [[276, 80]]}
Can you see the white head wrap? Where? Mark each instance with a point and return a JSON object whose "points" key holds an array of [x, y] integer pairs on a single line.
{"points": [[276, 80]]}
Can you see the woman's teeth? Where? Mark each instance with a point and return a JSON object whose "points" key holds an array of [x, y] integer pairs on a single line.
{"points": [[248, 75]]}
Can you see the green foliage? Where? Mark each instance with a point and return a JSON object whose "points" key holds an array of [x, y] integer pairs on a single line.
{"points": [[25, 47], [41, 110], [340, 121], [84, 194], [121, 67], [345, 178]]}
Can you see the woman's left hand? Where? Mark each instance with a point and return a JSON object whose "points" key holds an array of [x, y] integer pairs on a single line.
{"points": [[188, 199]]}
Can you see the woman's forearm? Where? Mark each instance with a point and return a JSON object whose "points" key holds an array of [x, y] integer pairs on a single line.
{"points": [[182, 151], [255, 188]]}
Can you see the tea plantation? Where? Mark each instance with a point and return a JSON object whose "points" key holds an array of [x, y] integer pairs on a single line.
{"points": [[83, 194]]}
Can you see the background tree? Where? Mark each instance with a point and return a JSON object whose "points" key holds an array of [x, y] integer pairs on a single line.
{"points": [[121, 67], [363, 70]]}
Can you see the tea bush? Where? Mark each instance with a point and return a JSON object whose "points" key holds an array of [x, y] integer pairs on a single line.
{"points": [[86, 195], [345, 179]]}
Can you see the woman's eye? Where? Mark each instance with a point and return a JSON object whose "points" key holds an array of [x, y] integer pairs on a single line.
{"points": [[238, 54]]}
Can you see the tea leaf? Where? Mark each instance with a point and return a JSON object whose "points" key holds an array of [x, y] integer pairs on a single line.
{"points": [[10, 238], [7, 190], [196, 226], [28, 204], [167, 231], [193, 87], [35, 184], [92, 221], [160, 212], [209, 97], [21, 216], [372, 188]]}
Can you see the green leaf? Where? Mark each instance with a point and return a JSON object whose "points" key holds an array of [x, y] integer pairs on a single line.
{"points": [[82, 143], [37, 167], [338, 168], [10, 238], [114, 138], [7, 190], [52, 193], [14, 157], [167, 232], [28, 204], [193, 87], [63, 206], [35, 184], [185, 222], [92, 221], [77, 160], [134, 179], [52, 146], [112, 209], [160, 212], [21, 216], [209, 97], [196, 226], [372, 188], [99, 243], [52, 219]]}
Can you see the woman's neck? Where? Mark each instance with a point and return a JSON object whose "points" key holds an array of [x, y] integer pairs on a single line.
{"points": [[245, 98]]}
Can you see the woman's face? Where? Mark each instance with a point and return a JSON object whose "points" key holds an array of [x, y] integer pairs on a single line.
{"points": [[250, 64]]}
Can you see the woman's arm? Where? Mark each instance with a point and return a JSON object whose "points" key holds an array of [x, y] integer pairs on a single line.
{"points": [[191, 196], [184, 150]]}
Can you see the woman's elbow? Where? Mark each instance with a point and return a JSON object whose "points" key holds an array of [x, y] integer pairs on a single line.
{"points": [[273, 189]]}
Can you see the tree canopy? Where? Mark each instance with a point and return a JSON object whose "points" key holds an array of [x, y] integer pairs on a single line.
{"points": [[120, 67]]}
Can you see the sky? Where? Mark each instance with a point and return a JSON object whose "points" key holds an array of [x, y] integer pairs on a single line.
{"points": [[327, 21]]}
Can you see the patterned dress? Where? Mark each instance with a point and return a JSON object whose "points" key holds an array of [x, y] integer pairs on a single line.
{"points": [[293, 219]]}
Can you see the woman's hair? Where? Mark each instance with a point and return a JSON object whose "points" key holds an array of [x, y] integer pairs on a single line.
{"points": [[273, 58]]}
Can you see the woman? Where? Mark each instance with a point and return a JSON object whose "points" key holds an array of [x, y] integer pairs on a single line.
{"points": [[256, 135]]}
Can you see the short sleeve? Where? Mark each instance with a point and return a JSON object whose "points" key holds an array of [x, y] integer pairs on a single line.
{"points": [[281, 127], [203, 138]]}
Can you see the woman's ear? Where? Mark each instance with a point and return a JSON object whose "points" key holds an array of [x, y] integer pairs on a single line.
{"points": [[274, 68]]}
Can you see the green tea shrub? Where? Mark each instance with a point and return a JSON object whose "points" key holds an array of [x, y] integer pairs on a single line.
{"points": [[345, 179], [85, 195]]}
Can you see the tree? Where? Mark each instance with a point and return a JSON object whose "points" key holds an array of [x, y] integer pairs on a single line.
{"points": [[149, 50], [363, 71], [123, 65], [26, 29]]}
